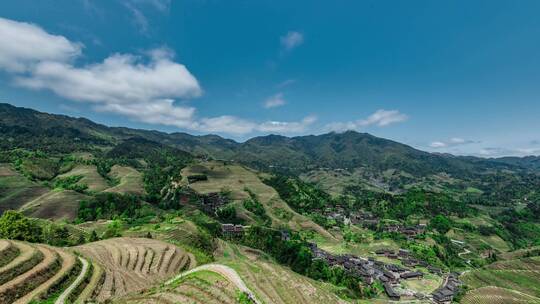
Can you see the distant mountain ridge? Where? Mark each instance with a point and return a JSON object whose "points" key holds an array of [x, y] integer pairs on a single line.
{"points": [[21, 127]]}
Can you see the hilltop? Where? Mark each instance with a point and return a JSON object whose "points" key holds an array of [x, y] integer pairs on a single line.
{"points": [[22, 127]]}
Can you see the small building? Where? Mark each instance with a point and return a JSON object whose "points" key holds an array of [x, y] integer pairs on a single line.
{"points": [[434, 270], [412, 275], [391, 292], [443, 295], [403, 253], [392, 276], [232, 231]]}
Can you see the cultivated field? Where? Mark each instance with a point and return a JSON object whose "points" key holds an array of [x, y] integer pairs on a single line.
{"points": [[522, 276], [91, 177], [55, 205], [497, 295], [236, 178], [16, 189], [201, 287], [271, 282], [35, 272], [130, 180], [134, 264]]}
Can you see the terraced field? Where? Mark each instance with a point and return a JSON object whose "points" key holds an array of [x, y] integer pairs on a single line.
{"points": [[497, 295], [518, 278], [16, 189], [130, 180], [237, 178], [35, 272], [271, 282], [201, 287], [91, 177], [133, 264]]}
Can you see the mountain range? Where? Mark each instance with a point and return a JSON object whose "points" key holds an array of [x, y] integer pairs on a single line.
{"points": [[22, 127]]}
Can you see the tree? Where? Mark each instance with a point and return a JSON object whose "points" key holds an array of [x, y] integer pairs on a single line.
{"points": [[93, 236], [441, 223], [14, 225], [113, 230]]}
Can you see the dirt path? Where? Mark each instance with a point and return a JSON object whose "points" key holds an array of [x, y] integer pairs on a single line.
{"points": [[62, 298], [226, 271]]}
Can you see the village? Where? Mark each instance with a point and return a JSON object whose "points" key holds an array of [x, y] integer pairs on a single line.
{"points": [[369, 270]]}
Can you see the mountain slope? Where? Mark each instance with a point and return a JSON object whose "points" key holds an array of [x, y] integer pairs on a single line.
{"points": [[26, 128]]}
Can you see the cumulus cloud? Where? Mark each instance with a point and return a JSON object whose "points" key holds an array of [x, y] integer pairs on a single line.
{"points": [[452, 142], [276, 100], [119, 79], [292, 40], [143, 87], [25, 44], [381, 118]]}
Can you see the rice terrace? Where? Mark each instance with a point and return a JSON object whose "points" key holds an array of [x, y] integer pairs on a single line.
{"points": [[269, 152]]}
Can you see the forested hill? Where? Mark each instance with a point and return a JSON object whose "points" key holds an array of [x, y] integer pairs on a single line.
{"points": [[27, 128]]}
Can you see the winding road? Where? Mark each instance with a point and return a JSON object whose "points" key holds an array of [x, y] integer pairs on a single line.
{"points": [[226, 271], [62, 298]]}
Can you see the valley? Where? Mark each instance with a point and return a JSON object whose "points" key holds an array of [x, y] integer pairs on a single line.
{"points": [[133, 216]]}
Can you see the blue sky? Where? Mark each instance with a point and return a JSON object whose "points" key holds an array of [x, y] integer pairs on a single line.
{"points": [[447, 76]]}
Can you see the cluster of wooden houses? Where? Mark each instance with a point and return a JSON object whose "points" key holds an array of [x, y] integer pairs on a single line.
{"points": [[446, 293], [407, 231], [211, 202], [370, 270], [407, 259], [340, 214]]}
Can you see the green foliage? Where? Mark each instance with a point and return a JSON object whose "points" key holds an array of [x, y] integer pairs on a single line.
{"points": [[253, 205], [114, 229], [56, 235], [296, 254], [93, 237], [521, 227], [302, 197], [109, 205], [14, 225], [70, 183], [227, 214], [441, 223], [413, 203], [243, 298]]}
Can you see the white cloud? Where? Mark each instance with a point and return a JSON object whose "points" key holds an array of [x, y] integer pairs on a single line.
{"points": [[381, 118], [500, 152], [276, 100], [287, 127], [143, 88], [25, 44], [119, 79], [438, 144], [452, 142], [225, 124], [292, 40]]}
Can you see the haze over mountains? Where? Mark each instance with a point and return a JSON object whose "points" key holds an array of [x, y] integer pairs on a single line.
{"points": [[21, 127]]}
